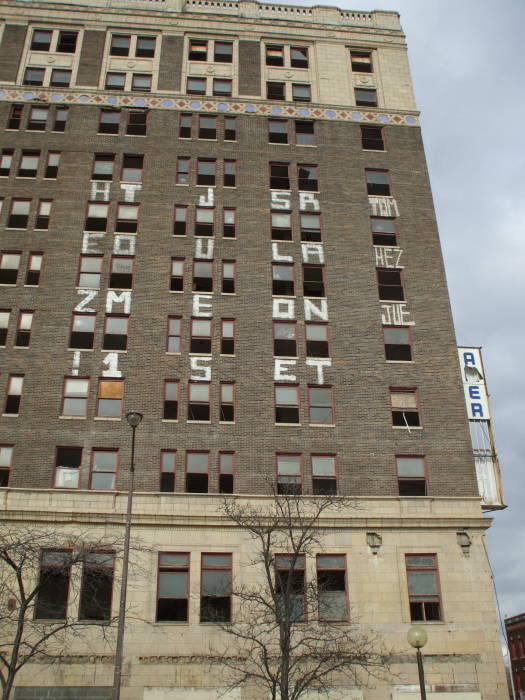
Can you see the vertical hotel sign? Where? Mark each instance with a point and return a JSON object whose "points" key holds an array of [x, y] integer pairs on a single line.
{"points": [[478, 412]]}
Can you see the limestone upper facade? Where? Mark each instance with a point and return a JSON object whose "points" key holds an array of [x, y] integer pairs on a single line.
{"points": [[321, 55]]}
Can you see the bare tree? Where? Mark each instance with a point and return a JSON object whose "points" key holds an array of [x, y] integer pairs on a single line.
{"points": [[38, 593], [289, 636]]}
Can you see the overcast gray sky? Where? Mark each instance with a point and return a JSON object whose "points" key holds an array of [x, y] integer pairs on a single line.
{"points": [[468, 65]]}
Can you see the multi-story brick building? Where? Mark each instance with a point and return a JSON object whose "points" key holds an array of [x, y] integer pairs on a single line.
{"points": [[219, 214], [515, 631]]}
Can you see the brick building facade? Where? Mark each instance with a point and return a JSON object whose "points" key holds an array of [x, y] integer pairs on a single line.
{"points": [[219, 214]]}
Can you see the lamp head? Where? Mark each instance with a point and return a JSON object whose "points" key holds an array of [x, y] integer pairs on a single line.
{"points": [[417, 637], [134, 418]]}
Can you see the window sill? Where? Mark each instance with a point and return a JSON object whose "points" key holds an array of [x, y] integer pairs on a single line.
{"points": [[173, 353], [374, 150], [220, 354], [171, 622], [228, 294], [407, 427], [200, 354], [176, 291], [7, 284], [207, 186], [20, 347], [107, 418], [288, 424], [81, 349], [120, 352], [170, 420], [196, 291], [203, 422], [225, 422], [10, 415], [321, 425], [72, 417], [376, 245], [400, 362], [11, 228], [25, 177]]}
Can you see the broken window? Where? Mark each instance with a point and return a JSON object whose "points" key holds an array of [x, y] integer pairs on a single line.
{"points": [[173, 587], [68, 461], [365, 97], [284, 339], [411, 476], [377, 183], [331, 587], [279, 176], [216, 588], [82, 334], [167, 471], [372, 138], [200, 340], [286, 404], [53, 585], [313, 281], [96, 589], [405, 409], [227, 336], [177, 275], [307, 178], [398, 343], [202, 276], [115, 332], [324, 477], [383, 231], [67, 42], [74, 400], [226, 471], [290, 584], [227, 402], [281, 226], [110, 398], [283, 280], [197, 470], [423, 587], [174, 334], [289, 474], [104, 464], [171, 399], [299, 56], [390, 285]]}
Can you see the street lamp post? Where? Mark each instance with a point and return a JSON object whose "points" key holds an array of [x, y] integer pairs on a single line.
{"points": [[134, 418], [417, 638]]}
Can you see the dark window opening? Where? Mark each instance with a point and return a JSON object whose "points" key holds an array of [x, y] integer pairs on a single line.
{"points": [[277, 131], [97, 586], [377, 183], [383, 231], [279, 176], [53, 585], [313, 281], [372, 138], [390, 285], [298, 57], [275, 91], [307, 178], [304, 133], [365, 97], [137, 123]]}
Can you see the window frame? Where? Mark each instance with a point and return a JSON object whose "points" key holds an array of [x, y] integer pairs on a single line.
{"points": [[210, 180], [32, 278], [67, 585], [371, 185], [388, 242], [170, 335], [10, 396], [42, 219], [276, 324], [57, 466], [94, 589], [387, 291], [319, 477], [224, 338], [291, 484], [311, 405], [321, 283], [293, 280], [301, 181], [182, 262], [296, 406], [6, 465], [196, 405], [223, 404], [6, 270], [417, 411], [202, 284], [221, 474], [301, 559], [320, 594], [409, 345], [204, 569], [167, 403], [124, 337], [281, 233], [367, 141], [229, 230], [171, 472], [207, 472], [129, 224], [419, 479], [229, 179], [120, 399], [286, 178], [82, 257], [228, 283], [23, 224], [359, 97], [173, 568], [92, 471], [286, 132], [24, 334], [111, 283], [91, 315], [438, 595]]}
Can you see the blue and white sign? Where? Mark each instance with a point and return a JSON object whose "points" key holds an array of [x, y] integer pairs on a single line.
{"points": [[474, 383]]}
